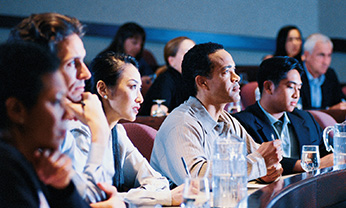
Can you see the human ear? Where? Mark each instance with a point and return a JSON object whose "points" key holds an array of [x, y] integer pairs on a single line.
{"points": [[268, 87], [171, 61], [201, 82], [16, 111], [102, 89]]}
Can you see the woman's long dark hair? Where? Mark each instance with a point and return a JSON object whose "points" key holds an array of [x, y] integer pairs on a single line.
{"points": [[281, 42]]}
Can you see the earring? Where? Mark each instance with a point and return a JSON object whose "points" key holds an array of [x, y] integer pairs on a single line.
{"points": [[105, 97]]}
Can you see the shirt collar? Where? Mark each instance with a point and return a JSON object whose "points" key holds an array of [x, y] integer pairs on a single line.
{"points": [[272, 119], [317, 81]]}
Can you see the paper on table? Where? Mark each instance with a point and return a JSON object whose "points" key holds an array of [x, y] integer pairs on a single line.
{"points": [[255, 185]]}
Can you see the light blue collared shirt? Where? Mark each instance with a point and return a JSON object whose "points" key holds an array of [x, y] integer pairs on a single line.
{"points": [[315, 88], [284, 136]]}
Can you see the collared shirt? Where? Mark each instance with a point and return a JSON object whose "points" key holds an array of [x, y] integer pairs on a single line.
{"points": [[94, 163], [189, 132], [315, 88], [286, 135]]}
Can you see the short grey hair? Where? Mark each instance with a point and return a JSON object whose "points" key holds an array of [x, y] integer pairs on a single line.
{"points": [[311, 41]]}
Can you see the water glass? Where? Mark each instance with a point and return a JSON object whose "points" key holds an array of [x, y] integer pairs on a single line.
{"points": [[310, 157], [196, 193]]}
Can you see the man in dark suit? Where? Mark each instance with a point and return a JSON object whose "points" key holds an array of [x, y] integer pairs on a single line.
{"points": [[321, 88], [274, 116]]}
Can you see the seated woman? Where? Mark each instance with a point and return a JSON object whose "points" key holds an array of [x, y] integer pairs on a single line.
{"points": [[289, 43], [167, 86], [117, 82], [32, 125]]}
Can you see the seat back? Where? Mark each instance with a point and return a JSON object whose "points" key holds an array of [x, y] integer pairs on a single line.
{"points": [[247, 94], [142, 137], [323, 119]]}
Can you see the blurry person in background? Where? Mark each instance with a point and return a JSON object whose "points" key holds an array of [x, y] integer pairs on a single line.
{"points": [[321, 88], [168, 85]]}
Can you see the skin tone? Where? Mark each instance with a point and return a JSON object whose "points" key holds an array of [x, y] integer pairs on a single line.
{"points": [[133, 45], [293, 43], [31, 134], [283, 98], [221, 88], [175, 62], [124, 101], [318, 61]]}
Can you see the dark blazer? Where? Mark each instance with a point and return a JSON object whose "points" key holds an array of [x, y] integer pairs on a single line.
{"points": [[307, 130], [331, 91]]}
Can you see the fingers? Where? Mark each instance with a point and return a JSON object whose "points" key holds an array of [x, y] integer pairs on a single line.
{"points": [[108, 189]]}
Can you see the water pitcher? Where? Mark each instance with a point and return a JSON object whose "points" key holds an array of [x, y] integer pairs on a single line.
{"points": [[338, 144]]}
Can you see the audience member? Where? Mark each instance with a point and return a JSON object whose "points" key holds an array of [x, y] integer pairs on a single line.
{"points": [[117, 82], [190, 130], [288, 43], [321, 88], [62, 35], [168, 85], [275, 115], [130, 39], [32, 125]]}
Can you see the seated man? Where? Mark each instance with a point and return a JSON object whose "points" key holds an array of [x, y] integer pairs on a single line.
{"points": [[321, 88], [190, 130], [279, 83]]}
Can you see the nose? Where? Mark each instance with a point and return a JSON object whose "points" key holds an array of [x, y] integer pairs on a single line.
{"points": [[139, 98], [234, 77], [296, 93], [83, 72]]}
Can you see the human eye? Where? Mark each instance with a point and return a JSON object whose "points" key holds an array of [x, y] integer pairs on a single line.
{"points": [[71, 63]]}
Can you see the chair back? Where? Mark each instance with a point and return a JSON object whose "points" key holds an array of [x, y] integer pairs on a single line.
{"points": [[247, 94], [142, 137], [323, 119]]}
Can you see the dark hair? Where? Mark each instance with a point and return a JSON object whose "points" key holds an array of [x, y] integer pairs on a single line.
{"points": [[275, 69], [281, 42], [127, 30], [197, 62], [108, 67], [22, 65], [47, 29]]}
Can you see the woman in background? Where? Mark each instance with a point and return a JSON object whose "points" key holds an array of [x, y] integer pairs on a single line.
{"points": [[289, 43], [168, 84]]}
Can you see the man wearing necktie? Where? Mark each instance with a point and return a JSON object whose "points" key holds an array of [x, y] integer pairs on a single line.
{"points": [[275, 115]]}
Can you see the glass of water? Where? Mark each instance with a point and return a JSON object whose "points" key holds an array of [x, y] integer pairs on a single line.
{"points": [[310, 158], [196, 193]]}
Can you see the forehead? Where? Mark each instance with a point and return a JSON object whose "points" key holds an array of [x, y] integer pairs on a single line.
{"points": [[71, 47], [293, 33], [130, 72], [292, 76], [323, 47], [221, 59]]}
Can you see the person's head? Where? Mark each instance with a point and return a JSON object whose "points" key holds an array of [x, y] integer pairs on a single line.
{"points": [[129, 39], [280, 83], [289, 42], [318, 51], [32, 97], [209, 69], [175, 50], [62, 35], [117, 82]]}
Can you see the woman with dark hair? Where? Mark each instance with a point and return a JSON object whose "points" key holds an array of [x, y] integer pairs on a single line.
{"points": [[32, 125], [117, 82], [289, 43], [130, 40], [168, 85]]}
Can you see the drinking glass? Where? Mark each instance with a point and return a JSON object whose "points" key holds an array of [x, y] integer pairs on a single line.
{"points": [[310, 158], [159, 112], [196, 193]]}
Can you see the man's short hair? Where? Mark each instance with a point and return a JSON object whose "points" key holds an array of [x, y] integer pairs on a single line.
{"points": [[275, 69], [311, 41], [197, 62], [46, 29]]}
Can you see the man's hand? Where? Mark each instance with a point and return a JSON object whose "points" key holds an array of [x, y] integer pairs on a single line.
{"points": [[112, 195], [273, 173], [271, 152], [53, 168], [339, 106], [177, 195]]}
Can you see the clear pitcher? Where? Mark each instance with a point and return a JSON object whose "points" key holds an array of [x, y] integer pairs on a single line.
{"points": [[338, 145]]}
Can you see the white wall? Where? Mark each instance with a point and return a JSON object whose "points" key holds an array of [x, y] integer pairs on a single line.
{"points": [[261, 18]]}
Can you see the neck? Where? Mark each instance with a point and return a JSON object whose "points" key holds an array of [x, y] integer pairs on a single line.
{"points": [[214, 110], [18, 141], [266, 105], [314, 75]]}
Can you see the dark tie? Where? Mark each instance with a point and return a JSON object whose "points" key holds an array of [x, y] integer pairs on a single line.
{"points": [[278, 126]]}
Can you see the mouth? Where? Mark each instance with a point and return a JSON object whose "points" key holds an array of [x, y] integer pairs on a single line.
{"points": [[293, 103], [136, 109]]}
